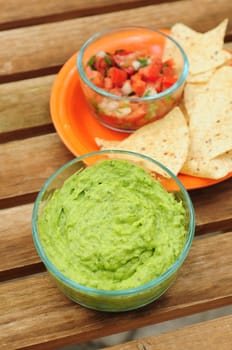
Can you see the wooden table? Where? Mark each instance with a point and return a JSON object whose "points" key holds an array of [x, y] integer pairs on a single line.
{"points": [[36, 38]]}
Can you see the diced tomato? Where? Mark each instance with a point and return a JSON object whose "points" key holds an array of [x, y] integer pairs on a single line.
{"points": [[136, 117], [156, 60], [168, 71], [117, 76], [129, 70], [123, 59], [144, 73], [138, 85], [108, 83], [150, 72], [167, 68], [100, 65], [95, 77], [168, 81], [158, 84], [169, 62]]}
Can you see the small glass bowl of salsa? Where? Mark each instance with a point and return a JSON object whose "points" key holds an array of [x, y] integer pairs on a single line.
{"points": [[131, 76]]}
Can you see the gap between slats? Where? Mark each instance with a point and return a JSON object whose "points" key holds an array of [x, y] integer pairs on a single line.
{"points": [[80, 10]]}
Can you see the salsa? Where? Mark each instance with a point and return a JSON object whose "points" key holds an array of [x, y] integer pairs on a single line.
{"points": [[112, 226], [130, 74]]}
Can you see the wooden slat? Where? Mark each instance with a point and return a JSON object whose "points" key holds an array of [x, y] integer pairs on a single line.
{"points": [[34, 314], [228, 46], [25, 104], [213, 212], [33, 160], [43, 45], [215, 334], [34, 11], [18, 255]]}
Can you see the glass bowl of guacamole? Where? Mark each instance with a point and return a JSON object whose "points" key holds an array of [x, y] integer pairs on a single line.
{"points": [[131, 76], [113, 228]]}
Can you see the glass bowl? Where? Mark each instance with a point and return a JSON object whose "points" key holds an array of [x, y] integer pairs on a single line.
{"points": [[131, 76], [119, 272]]}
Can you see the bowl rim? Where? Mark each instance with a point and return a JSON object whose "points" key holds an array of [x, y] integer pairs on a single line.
{"points": [[104, 93], [112, 293]]}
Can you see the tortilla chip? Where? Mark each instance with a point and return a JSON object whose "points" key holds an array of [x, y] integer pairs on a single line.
{"points": [[209, 168], [201, 77], [209, 107], [204, 50], [189, 97], [165, 140], [106, 144]]}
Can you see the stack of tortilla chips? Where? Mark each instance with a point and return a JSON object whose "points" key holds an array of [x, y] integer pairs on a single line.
{"points": [[207, 101], [196, 137]]}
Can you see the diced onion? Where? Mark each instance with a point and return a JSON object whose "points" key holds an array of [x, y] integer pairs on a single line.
{"points": [[114, 108], [150, 91], [122, 112], [126, 88], [136, 64], [101, 54], [108, 106]]}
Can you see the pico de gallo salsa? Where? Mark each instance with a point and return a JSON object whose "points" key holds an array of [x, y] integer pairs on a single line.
{"points": [[130, 74]]}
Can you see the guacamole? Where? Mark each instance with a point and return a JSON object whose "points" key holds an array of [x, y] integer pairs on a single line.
{"points": [[112, 226]]}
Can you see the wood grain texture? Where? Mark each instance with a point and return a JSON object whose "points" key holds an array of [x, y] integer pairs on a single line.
{"points": [[42, 46], [25, 104], [205, 335], [33, 11], [18, 255], [213, 212], [27, 164], [34, 314]]}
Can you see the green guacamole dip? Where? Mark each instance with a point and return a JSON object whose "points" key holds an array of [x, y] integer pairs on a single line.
{"points": [[112, 227]]}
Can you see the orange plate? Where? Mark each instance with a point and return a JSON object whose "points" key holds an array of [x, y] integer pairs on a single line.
{"points": [[78, 128]]}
